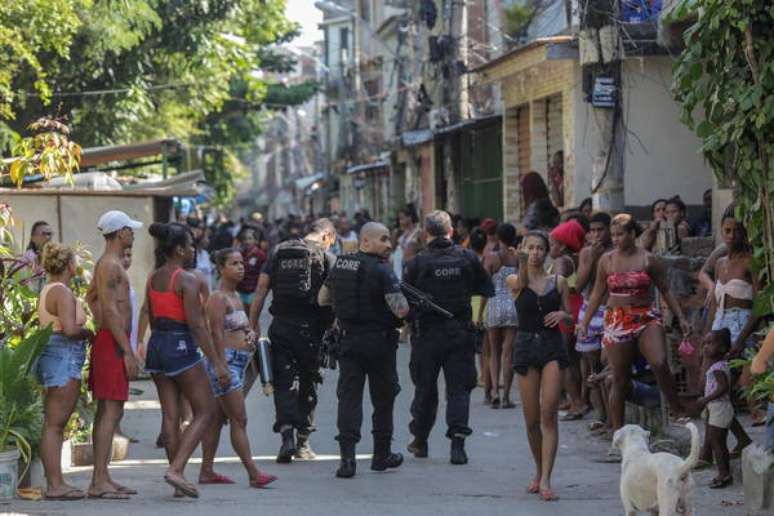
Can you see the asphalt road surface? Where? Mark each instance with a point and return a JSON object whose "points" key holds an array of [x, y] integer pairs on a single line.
{"points": [[493, 483]]}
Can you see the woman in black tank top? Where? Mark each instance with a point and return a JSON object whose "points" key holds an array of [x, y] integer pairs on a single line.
{"points": [[539, 354]]}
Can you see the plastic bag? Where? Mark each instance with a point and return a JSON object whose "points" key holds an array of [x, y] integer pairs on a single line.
{"points": [[686, 348]]}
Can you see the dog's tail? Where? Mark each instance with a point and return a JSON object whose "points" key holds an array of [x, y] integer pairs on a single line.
{"points": [[693, 457]]}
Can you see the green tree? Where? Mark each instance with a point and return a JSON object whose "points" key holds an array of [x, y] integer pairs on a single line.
{"points": [[725, 81]]}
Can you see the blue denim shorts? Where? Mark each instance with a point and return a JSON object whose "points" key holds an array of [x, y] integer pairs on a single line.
{"points": [[238, 361], [644, 394], [171, 349], [61, 361]]}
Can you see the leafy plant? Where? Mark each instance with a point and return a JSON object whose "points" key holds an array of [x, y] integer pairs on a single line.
{"points": [[21, 407], [725, 81]]}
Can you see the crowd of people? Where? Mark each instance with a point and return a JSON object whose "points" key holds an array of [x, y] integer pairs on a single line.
{"points": [[567, 304]]}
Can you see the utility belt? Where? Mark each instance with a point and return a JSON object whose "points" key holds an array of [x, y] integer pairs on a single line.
{"points": [[350, 330]]}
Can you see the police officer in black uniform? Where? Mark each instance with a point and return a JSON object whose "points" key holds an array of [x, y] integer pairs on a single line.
{"points": [[368, 304], [294, 273], [451, 275]]}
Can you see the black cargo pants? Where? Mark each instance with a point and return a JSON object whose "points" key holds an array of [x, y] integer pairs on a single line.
{"points": [[448, 346], [295, 354], [367, 353]]}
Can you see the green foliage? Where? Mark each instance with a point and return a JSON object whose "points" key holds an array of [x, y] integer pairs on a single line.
{"points": [[28, 30], [725, 81], [292, 95], [49, 152], [21, 407]]}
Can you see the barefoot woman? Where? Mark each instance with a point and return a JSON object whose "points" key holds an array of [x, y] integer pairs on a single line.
{"points": [[539, 355], [234, 343], [173, 360], [628, 274]]}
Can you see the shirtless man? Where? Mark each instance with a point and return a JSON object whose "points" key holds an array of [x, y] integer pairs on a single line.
{"points": [[113, 362]]}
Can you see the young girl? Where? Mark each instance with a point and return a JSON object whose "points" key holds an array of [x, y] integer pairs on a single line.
{"points": [[254, 258], [719, 411], [540, 355], [234, 342]]}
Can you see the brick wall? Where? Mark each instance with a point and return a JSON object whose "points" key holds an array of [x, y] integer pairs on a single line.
{"points": [[531, 80]]}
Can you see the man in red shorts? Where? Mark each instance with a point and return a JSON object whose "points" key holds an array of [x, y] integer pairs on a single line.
{"points": [[113, 362]]}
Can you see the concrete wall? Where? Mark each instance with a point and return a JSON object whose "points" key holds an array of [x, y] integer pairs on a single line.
{"points": [[78, 223], [662, 155]]}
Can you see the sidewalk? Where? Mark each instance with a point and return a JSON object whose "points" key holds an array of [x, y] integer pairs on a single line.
{"points": [[493, 483]]}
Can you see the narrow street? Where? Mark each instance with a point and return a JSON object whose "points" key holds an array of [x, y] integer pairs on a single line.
{"points": [[493, 483]]}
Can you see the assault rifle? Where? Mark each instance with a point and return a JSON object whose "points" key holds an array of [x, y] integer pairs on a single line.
{"points": [[422, 300]]}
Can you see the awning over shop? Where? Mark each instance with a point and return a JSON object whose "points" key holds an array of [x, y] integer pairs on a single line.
{"points": [[305, 182], [412, 138], [99, 155], [469, 123], [367, 167]]}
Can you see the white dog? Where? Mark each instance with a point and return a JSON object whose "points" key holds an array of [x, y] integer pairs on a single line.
{"points": [[660, 483]]}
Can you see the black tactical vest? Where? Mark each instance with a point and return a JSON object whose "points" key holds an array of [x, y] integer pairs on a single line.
{"points": [[298, 270], [446, 275], [358, 296]]}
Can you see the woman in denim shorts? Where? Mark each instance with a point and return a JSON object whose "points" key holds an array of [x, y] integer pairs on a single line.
{"points": [[59, 367], [173, 359], [234, 340]]}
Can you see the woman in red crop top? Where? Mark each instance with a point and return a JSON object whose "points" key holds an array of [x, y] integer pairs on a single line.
{"points": [[173, 360], [628, 274]]}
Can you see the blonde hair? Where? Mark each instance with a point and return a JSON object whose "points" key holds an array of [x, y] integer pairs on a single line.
{"points": [[56, 257], [628, 223]]}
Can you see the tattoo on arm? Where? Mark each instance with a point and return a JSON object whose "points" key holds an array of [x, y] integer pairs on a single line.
{"points": [[398, 304]]}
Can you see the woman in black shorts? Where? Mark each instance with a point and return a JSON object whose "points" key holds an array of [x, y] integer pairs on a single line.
{"points": [[539, 354]]}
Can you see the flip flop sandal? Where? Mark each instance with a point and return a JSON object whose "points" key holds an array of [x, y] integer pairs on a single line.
{"points": [[126, 490], [595, 425], [496, 403], [108, 495], [533, 487], [185, 487], [571, 416], [508, 405], [72, 494], [548, 495], [217, 479], [719, 483], [262, 481]]}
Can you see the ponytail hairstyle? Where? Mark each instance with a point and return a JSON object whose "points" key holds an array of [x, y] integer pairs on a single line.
{"points": [[541, 235], [628, 223], [168, 238], [220, 257]]}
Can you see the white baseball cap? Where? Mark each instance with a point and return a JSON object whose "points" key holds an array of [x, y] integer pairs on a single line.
{"points": [[115, 220]]}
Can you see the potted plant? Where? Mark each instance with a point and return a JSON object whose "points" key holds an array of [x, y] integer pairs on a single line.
{"points": [[21, 407]]}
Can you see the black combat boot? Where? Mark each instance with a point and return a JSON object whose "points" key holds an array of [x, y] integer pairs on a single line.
{"points": [[303, 450], [383, 458], [348, 465], [418, 447], [288, 448], [458, 455]]}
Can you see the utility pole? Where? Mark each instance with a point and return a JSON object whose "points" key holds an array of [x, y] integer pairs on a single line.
{"points": [[456, 97]]}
